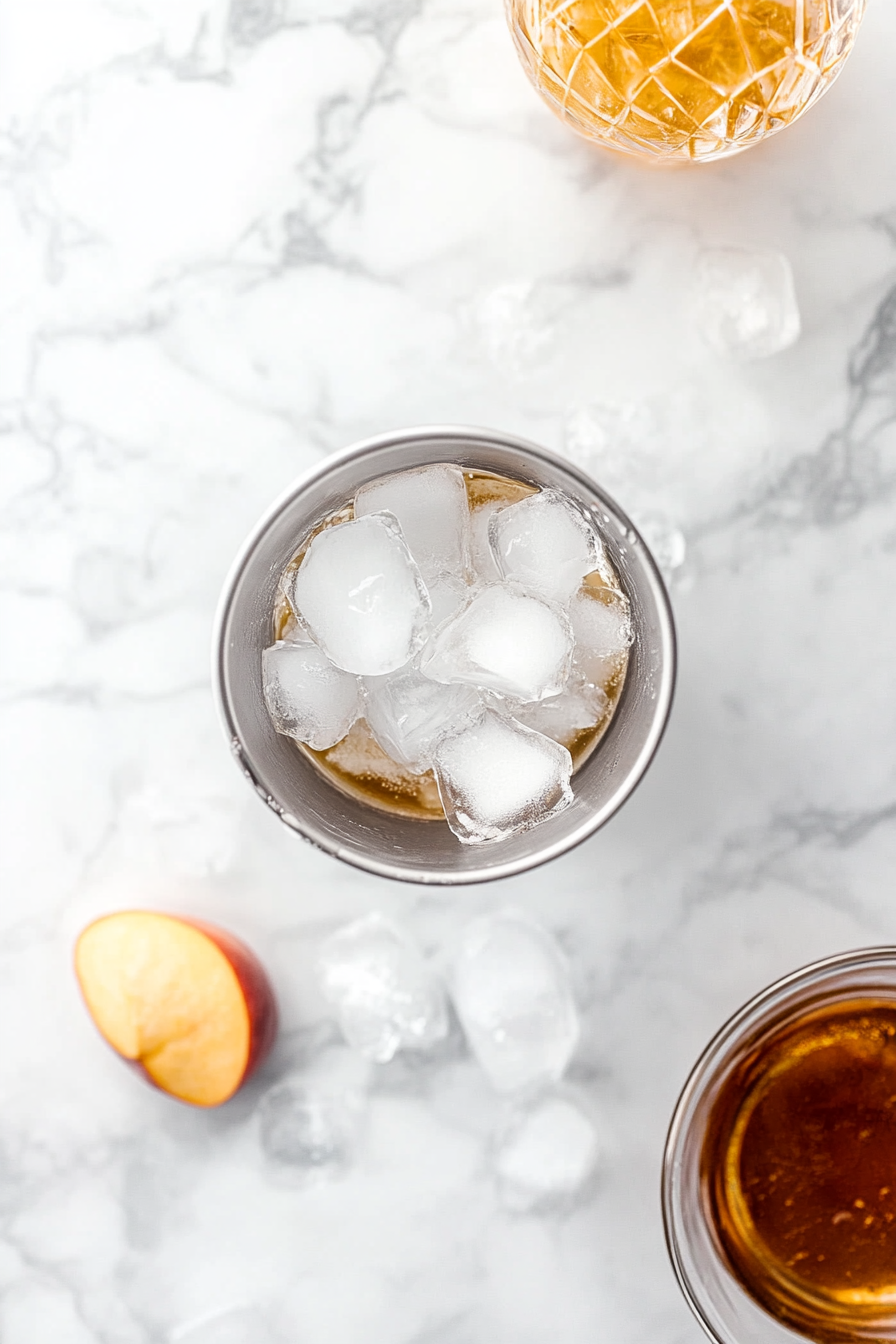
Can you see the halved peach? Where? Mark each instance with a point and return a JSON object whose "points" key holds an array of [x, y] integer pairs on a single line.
{"points": [[185, 1001]]}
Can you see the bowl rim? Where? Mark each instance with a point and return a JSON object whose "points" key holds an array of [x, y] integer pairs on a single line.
{"points": [[712, 1053], [471, 435]]}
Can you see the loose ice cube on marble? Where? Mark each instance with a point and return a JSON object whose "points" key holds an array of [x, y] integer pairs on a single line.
{"points": [[386, 995], [408, 714], [745, 301], [430, 504], [546, 1156], [305, 1131], [665, 540], [565, 716], [307, 697], [603, 635], [511, 324], [510, 986], [503, 641], [361, 596], [546, 545], [497, 779], [310, 1122]]}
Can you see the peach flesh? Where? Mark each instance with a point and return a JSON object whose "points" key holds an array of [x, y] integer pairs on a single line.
{"points": [[186, 1001]]}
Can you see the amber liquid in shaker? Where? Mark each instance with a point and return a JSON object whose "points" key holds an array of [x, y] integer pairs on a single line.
{"points": [[799, 1171], [357, 765]]}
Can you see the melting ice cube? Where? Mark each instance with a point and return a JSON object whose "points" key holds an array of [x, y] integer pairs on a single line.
{"points": [[307, 697], [511, 324], [745, 301], [545, 1156], [446, 595], [385, 993], [510, 986], [482, 557], [302, 1129], [309, 1123], [361, 596], [546, 544], [564, 716], [408, 714], [497, 779], [430, 504], [666, 541], [503, 641], [603, 633]]}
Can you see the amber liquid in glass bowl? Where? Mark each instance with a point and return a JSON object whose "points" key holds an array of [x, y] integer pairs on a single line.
{"points": [[798, 1170]]}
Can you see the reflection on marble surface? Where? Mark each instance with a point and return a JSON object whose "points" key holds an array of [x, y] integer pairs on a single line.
{"points": [[232, 239]]}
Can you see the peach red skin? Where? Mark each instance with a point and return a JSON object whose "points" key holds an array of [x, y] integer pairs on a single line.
{"points": [[260, 1002]]}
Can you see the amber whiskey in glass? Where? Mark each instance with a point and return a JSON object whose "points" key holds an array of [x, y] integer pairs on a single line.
{"points": [[679, 80]]}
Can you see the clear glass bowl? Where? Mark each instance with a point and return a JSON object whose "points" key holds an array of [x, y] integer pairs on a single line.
{"points": [[724, 1310], [682, 79]]}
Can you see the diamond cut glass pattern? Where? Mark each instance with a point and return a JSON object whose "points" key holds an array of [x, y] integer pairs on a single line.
{"points": [[682, 79]]}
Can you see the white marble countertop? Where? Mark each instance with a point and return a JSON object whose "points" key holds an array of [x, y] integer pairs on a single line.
{"points": [[233, 239]]}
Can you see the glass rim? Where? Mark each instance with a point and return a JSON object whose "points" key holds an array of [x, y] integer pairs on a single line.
{"points": [[731, 1030]]}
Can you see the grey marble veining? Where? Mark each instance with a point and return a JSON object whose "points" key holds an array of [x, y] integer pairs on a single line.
{"points": [[236, 237]]}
